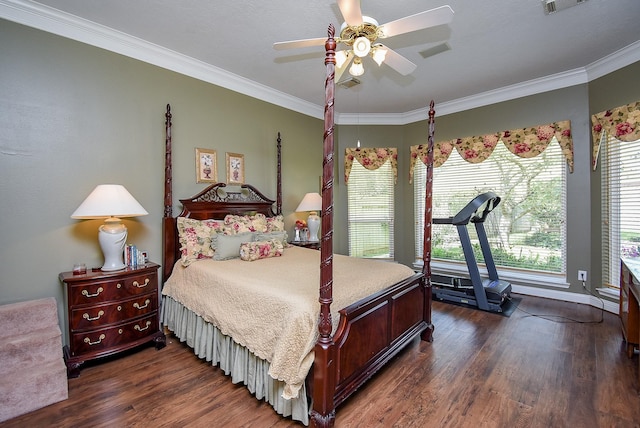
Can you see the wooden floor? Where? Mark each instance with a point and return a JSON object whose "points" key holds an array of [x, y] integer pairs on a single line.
{"points": [[482, 370]]}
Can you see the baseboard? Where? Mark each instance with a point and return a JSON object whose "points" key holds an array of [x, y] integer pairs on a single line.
{"points": [[585, 299]]}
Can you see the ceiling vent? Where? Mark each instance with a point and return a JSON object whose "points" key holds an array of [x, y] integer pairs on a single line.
{"points": [[349, 82], [443, 47], [553, 6]]}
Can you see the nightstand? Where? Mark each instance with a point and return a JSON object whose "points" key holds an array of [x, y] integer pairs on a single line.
{"points": [[306, 244], [110, 312]]}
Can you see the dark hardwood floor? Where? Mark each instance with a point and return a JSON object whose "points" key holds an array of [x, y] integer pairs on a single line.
{"points": [[482, 370]]}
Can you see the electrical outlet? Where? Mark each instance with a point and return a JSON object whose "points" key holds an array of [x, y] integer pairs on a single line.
{"points": [[582, 275]]}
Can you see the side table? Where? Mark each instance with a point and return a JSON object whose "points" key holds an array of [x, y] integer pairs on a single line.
{"points": [[110, 312]]}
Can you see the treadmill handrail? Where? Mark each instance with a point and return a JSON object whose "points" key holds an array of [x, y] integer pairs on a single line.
{"points": [[475, 211]]}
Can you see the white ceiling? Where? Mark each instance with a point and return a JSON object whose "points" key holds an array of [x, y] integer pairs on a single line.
{"points": [[498, 49]]}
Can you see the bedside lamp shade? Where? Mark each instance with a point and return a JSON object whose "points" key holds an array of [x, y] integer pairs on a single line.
{"points": [[312, 202], [111, 202]]}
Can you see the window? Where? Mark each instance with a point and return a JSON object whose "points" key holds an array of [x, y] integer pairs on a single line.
{"points": [[527, 229], [620, 205], [370, 211]]}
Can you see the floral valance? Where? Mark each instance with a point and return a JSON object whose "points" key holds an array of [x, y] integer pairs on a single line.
{"points": [[371, 158], [622, 122], [524, 142]]}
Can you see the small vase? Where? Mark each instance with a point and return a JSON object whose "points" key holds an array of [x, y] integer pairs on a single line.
{"points": [[297, 237]]}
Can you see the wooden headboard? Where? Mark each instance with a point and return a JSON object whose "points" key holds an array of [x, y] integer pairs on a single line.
{"points": [[214, 202]]}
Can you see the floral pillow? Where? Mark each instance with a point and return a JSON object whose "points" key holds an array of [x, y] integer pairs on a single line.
{"points": [[256, 250], [275, 224], [246, 223], [195, 238]]}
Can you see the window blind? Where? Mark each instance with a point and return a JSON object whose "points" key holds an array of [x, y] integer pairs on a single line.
{"points": [[526, 231], [371, 211], [620, 205]]}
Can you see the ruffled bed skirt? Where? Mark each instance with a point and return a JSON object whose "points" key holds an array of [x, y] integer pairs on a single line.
{"points": [[235, 360]]}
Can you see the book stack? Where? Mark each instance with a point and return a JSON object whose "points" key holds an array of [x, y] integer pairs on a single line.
{"points": [[134, 257]]}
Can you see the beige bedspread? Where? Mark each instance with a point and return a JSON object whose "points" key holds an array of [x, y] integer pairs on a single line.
{"points": [[271, 305]]}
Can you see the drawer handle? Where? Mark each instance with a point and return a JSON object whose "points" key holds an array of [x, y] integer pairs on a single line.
{"points": [[137, 305], [87, 340], [137, 284], [85, 293], [88, 318], [137, 327]]}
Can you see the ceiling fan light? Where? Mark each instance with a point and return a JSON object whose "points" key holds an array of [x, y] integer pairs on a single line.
{"points": [[379, 55], [361, 46], [341, 58], [356, 68]]}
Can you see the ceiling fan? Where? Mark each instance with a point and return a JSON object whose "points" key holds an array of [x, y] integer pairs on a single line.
{"points": [[360, 34]]}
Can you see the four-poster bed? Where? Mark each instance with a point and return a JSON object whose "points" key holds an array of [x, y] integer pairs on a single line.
{"points": [[341, 347]]}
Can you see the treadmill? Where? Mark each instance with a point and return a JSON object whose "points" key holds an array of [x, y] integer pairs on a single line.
{"points": [[487, 294]]}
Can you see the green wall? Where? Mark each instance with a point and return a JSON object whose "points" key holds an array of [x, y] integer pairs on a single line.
{"points": [[73, 116]]}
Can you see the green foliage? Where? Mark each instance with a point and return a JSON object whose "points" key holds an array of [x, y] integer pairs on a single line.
{"points": [[503, 258], [544, 240]]}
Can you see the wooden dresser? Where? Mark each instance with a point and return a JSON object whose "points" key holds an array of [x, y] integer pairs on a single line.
{"points": [[109, 312], [630, 304]]}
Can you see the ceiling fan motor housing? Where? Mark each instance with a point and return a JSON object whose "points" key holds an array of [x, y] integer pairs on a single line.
{"points": [[368, 29]]}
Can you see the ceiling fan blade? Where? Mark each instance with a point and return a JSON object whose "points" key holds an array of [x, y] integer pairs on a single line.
{"points": [[429, 18], [303, 43], [351, 12], [398, 62]]}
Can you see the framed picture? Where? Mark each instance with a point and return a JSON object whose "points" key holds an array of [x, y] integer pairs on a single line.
{"points": [[206, 166], [235, 168]]}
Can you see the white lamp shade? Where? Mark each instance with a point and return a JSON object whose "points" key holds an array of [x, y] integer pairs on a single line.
{"points": [[312, 202], [361, 46], [109, 200], [341, 58], [356, 69], [379, 54]]}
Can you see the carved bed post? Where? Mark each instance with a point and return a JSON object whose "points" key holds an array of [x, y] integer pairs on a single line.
{"points": [[428, 217], [168, 237], [279, 178], [324, 374]]}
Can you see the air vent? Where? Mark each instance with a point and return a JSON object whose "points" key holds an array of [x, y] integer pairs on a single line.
{"points": [[443, 47], [349, 82], [553, 6]]}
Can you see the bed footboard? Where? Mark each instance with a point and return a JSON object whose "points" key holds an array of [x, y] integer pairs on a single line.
{"points": [[373, 331], [370, 333]]}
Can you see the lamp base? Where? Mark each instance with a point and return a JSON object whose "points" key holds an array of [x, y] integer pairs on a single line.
{"points": [[313, 223], [112, 236]]}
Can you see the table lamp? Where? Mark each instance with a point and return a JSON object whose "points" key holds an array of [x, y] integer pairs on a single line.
{"points": [[111, 202], [312, 202]]}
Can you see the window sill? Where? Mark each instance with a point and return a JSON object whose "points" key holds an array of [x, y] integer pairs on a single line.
{"points": [[514, 276], [612, 293]]}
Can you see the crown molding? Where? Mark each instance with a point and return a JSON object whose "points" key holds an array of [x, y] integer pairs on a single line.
{"points": [[62, 24], [615, 61]]}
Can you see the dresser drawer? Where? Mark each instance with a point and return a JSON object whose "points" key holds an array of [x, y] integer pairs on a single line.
{"points": [[84, 318], [96, 341], [103, 291], [110, 312]]}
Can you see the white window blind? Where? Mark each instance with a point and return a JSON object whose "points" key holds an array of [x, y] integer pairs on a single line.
{"points": [[620, 205], [371, 211], [526, 231]]}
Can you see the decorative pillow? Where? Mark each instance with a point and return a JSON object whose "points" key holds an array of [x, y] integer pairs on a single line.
{"points": [[246, 223], [194, 237], [228, 246], [256, 250], [275, 224], [278, 236]]}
